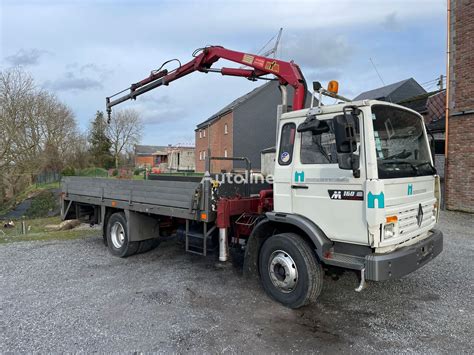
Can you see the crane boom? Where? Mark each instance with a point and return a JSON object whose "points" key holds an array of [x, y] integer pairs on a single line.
{"points": [[288, 73]]}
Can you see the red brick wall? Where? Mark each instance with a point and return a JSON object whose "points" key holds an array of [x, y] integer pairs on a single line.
{"points": [[219, 142], [144, 161], [460, 159]]}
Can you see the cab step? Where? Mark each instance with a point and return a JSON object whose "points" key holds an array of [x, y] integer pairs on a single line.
{"points": [[345, 261]]}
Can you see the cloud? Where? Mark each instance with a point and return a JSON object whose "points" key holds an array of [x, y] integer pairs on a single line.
{"points": [[90, 69], [335, 44], [26, 57], [156, 99], [164, 115], [72, 82], [93, 69], [391, 22], [323, 75], [88, 76], [312, 50]]}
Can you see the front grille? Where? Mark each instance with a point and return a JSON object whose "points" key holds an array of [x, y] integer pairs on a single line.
{"points": [[409, 226]]}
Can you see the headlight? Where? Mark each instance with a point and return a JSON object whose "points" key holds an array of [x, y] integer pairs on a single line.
{"points": [[389, 231]]}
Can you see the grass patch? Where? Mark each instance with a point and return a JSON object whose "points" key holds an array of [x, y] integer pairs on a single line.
{"points": [[37, 231], [60, 235]]}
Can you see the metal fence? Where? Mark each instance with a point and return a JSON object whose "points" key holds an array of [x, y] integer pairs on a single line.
{"points": [[47, 177]]}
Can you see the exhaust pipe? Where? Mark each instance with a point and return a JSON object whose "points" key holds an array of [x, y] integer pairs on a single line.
{"points": [[223, 255]]}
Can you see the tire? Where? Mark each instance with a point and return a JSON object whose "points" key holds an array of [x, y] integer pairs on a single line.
{"points": [[147, 245], [289, 270], [117, 237]]}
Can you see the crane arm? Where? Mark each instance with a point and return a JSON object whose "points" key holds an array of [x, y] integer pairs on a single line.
{"points": [[288, 73]]}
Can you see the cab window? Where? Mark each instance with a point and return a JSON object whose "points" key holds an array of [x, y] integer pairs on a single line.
{"points": [[318, 148], [287, 141]]}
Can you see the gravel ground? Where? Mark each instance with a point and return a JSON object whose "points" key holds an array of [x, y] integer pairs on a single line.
{"points": [[74, 296]]}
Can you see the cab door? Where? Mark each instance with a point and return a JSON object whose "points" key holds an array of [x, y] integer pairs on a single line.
{"points": [[283, 173], [331, 197]]}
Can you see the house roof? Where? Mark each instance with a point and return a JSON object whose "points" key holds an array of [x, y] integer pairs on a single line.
{"points": [[230, 107], [161, 152], [432, 105], [394, 92], [417, 103], [148, 149]]}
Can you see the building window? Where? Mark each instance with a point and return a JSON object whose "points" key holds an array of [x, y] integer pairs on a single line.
{"points": [[200, 134], [204, 133], [225, 153], [200, 155], [204, 155], [225, 129]]}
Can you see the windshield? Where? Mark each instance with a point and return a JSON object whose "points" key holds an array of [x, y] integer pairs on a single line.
{"points": [[400, 143]]}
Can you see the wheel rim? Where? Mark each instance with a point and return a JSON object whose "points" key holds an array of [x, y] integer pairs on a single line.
{"points": [[117, 234], [283, 271]]}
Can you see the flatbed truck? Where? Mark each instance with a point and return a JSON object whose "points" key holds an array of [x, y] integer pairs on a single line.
{"points": [[354, 188]]}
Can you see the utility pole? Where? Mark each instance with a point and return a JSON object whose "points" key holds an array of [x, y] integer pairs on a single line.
{"points": [[441, 82]]}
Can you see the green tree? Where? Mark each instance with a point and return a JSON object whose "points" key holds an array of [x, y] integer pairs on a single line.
{"points": [[100, 145]]}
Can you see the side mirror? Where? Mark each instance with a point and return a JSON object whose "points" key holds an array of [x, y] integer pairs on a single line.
{"points": [[345, 129]]}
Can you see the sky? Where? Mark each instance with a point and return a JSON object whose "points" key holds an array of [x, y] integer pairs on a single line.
{"points": [[86, 50]]}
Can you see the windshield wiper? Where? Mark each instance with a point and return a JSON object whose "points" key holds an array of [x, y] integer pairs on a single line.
{"points": [[323, 152], [402, 155], [433, 169], [414, 167]]}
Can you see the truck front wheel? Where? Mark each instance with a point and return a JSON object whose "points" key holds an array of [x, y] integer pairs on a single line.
{"points": [[117, 237], [289, 270]]}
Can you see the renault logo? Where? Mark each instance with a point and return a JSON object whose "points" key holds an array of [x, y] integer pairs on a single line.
{"points": [[419, 216]]}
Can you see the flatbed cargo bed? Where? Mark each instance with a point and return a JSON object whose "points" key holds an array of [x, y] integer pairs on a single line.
{"points": [[174, 198]]}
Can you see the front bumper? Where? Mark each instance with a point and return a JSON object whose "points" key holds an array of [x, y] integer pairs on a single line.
{"points": [[401, 262]]}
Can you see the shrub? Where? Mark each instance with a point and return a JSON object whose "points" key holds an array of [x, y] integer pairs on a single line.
{"points": [[115, 172], [42, 204], [93, 172], [68, 171]]}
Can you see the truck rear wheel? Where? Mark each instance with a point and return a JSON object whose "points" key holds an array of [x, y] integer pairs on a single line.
{"points": [[147, 245], [289, 270], [117, 237]]}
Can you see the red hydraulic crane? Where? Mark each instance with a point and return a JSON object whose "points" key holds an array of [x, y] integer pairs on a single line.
{"points": [[288, 73]]}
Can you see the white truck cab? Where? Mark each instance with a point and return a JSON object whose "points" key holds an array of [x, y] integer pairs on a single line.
{"points": [[362, 172]]}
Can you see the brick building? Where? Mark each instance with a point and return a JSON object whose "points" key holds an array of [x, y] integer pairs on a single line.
{"points": [[241, 129], [165, 158], [460, 124], [144, 155]]}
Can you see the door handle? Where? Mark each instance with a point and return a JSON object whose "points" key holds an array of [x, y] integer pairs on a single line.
{"points": [[299, 187]]}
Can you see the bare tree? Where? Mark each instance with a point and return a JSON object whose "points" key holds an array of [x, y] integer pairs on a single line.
{"points": [[18, 133], [16, 94], [125, 130], [36, 131]]}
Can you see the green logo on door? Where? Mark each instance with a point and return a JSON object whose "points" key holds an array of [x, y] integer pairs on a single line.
{"points": [[372, 198], [299, 176]]}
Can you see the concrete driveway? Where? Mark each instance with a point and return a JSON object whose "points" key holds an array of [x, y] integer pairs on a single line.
{"points": [[74, 296]]}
